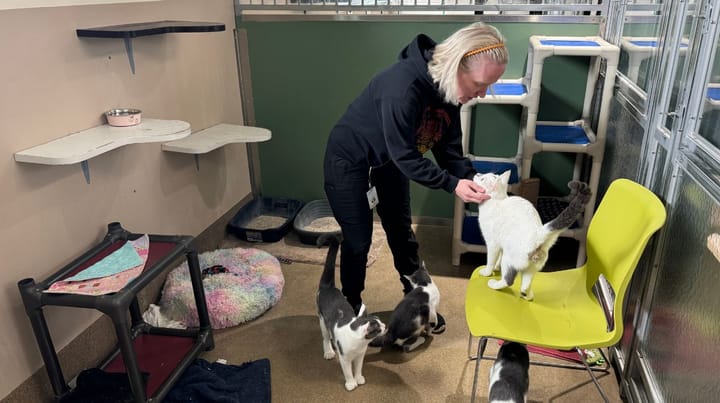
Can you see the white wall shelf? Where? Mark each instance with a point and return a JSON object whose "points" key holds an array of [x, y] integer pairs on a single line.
{"points": [[215, 137], [86, 144]]}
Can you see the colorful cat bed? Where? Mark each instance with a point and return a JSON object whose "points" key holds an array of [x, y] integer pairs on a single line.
{"points": [[240, 285]]}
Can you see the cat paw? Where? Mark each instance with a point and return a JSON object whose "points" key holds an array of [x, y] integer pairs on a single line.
{"points": [[486, 271], [360, 380], [417, 343], [329, 355], [497, 284], [351, 385], [528, 296]]}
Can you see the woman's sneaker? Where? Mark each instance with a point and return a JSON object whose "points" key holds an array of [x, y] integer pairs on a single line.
{"points": [[439, 326]]}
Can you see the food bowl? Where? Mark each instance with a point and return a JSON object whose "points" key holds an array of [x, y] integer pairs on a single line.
{"points": [[123, 117]]}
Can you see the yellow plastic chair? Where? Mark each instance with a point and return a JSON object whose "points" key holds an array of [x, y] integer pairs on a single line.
{"points": [[566, 313]]}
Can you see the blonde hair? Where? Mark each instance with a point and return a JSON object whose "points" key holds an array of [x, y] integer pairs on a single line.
{"points": [[460, 51]]}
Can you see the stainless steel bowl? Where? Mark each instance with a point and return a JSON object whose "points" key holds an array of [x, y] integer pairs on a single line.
{"points": [[123, 117]]}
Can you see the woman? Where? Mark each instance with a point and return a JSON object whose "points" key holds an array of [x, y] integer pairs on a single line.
{"points": [[377, 146]]}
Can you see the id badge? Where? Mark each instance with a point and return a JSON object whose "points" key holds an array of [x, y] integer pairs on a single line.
{"points": [[372, 197]]}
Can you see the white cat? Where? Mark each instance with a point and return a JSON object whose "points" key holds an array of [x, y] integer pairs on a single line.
{"points": [[516, 239], [342, 331]]}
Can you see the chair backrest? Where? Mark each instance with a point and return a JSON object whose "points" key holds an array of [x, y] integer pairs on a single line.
{"points": [[628, 215]]}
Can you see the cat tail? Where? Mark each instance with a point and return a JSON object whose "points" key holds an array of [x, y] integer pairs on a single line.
{"points": [[580, 195], [327, 279]]}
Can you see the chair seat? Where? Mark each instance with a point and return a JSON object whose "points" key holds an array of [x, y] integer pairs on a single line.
{"points": [[563, 315]]}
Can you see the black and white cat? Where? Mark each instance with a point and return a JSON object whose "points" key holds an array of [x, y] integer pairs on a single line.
{"points": [[343, 332], [516, 239], [509, 380], [414, 315]]}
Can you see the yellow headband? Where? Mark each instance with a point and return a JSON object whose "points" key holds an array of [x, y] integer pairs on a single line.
{"points": [[483, 49]]}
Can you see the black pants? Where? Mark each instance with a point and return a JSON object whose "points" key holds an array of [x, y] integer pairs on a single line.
{"points": [[346, 186]]}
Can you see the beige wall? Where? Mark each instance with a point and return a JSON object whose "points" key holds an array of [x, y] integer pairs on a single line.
{"points": [[53, 84]]}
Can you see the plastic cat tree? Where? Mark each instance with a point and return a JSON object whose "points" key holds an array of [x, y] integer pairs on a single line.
{"points": [[535, 136]]}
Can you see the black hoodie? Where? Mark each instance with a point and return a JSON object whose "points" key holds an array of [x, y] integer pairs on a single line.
{"points": [[398, 117]]}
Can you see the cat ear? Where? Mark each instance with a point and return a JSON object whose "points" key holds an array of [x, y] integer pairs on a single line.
{"points": [[505, 177]]}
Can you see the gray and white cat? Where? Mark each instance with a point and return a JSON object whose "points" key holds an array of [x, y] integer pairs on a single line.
{"points": [[343, 332], [516, 239], [414, 315], [509, 380]]}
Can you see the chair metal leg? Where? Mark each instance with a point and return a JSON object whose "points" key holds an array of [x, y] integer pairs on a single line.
{"points": [[481, 349], [469, 349], [594, 379]]}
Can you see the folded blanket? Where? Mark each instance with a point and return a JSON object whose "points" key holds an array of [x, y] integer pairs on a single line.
{"points": [[220, 383]]}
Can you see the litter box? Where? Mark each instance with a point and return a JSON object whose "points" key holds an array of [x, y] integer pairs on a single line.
{"points": [[314, 219], [264, 219]]}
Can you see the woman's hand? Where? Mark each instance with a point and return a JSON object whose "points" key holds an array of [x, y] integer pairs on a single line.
{"points": [[469, 192]]}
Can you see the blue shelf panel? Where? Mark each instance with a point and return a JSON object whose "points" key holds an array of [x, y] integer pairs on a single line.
{"points": [[713, 93], [651, 43], [508, 89], [557, 42], [561, 134]]}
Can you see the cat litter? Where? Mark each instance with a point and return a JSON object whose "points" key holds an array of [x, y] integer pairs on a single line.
{"points": [[315, 219], [264, 219], [264, 222]]}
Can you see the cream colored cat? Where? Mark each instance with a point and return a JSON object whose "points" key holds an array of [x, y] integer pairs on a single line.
{"points": [[516, 239]]}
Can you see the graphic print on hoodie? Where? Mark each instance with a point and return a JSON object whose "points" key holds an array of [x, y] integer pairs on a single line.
{"points": [[434, 122]]}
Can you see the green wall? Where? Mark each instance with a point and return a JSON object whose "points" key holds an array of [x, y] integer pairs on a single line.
{"points": [[305, 73]]}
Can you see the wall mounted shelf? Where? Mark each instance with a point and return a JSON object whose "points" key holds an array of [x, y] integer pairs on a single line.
{"points": [[129, 31], [215, 137], [83, 145]]}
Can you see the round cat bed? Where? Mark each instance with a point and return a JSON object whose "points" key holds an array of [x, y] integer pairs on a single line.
{"points": [[240, 285]]}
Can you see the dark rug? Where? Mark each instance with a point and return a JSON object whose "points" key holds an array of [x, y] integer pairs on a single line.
{"points": [[220, 383], [94, 385]]}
